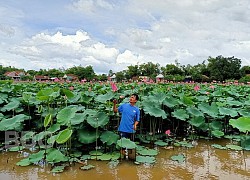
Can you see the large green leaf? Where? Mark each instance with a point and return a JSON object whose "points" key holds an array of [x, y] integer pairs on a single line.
{"points": [[217, 133], [86, 136], [13, 123], [66, 114], [210, 110], [44, 94], [226, 111], [197, 121], [14, 104], [148, 152], [24, 162], [64, 136], [55, 156], [242, 123], [36, 157], [100, 119], [126, 143], [245, 143], [180, 114], [109, 137], [170, 102], [145, 159], [103, 98], [153, 109], [180, 158], [78, 118], [194, 111]]}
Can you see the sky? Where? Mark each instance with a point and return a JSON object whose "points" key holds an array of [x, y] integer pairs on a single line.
{"points": [[114, 34]]}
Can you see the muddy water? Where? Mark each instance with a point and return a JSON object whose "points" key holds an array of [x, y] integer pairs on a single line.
{"points": [[202, 162]]}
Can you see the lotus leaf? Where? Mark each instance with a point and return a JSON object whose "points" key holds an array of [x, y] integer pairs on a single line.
{"points": [[54, 128], [109, 137], [244, 112], [44, 94], [148, 152], [13, 123], [64, 136], [68, 93], [216, 125], [16, 148], [96, 153], [104, 157], [58, 169], [27, 135], [51, 140], [87, 137], [103, 98], [194, 111], [55, 156], [36, 157], [218, 146], [197, 121], [180, 114], [66, 114], [14, 104], [187, 100], [210, 110], [180, 158], [77, 119], [245, 143], [126, 143], [87, 167], [100, 119], [47, 120], [24, 162], [145, 159], [170, 102], [242, 123], [234, 147], [226, 111], [217, 133], [160, 143]]}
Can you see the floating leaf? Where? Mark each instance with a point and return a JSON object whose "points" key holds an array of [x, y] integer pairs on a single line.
{"points": [[148, 152], [145, 159], [58, 169], [16, 148], [55, 156], [87, 167], [218, 146], [217, 133], [160, 143], [36, 157], [24, 162], [180, 158], [234, 147]]}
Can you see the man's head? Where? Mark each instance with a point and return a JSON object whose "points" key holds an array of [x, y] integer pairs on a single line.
{"points": [[133, 98]]}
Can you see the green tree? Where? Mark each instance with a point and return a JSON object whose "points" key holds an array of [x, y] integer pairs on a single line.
{"points": [[149, 69], [221, 68], [120, 76]]}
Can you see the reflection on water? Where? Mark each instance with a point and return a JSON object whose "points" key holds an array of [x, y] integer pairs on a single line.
{"points": [[202, 162]]}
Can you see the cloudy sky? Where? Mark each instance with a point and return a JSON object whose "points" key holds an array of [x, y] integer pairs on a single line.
{"points": [[113, 34]]}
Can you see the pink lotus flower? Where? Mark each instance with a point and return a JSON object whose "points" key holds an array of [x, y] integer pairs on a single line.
{"points": [[167, 132], [212, 87], [196, 88], [207, 93], [71, 88], [114, 87]]}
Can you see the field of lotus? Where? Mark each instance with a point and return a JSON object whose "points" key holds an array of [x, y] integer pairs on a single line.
{"points": [[61, 123]]}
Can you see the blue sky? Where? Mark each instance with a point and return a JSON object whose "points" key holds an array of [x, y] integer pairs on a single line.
{"points": [[112, 34]]}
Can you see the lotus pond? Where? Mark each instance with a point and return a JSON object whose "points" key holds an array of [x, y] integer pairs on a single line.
{"points": [[203, 161], [49, 128]]}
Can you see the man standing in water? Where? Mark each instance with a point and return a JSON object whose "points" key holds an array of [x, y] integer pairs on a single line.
{"points": [[130, 116]]}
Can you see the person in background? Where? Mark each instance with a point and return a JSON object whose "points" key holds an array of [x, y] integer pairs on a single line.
{"points": [[130, 116]]}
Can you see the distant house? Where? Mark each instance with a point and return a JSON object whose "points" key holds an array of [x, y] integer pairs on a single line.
{"points": [[41, 78], [159, 78], [70, 77], [15, 75]]}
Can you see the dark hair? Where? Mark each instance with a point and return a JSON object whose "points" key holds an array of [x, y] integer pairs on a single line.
{"points": [[136, 96]]}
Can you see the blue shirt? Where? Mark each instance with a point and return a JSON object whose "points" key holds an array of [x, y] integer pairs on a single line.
{"points": [[130, 114]]}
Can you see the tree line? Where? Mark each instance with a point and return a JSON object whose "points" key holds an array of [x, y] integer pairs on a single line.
{"points": [[219, 68]]}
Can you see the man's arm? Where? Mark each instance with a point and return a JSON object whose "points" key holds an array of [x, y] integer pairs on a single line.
{"points": [[135, 125]]}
